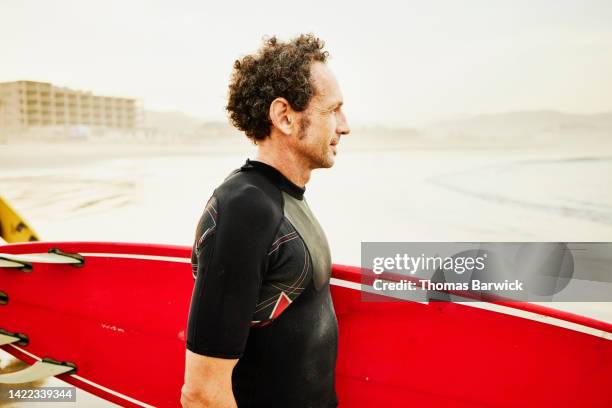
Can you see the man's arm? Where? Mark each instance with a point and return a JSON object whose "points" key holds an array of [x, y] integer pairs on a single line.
{"points": [[208, 382], [231, 247]]}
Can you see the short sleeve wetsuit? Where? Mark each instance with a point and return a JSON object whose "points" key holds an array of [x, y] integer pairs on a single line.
{"points": [[261, 264]]}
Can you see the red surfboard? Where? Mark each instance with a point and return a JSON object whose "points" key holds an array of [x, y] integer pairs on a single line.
{"points": [[118, 312]]}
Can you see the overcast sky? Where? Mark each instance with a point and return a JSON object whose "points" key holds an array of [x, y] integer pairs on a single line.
{"points": [[399, 63]]}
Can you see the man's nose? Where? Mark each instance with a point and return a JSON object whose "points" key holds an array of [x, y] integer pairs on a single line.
{"points": [[343, 126]]}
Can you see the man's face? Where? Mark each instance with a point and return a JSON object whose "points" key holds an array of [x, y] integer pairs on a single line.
{"points": [[323, 121]]}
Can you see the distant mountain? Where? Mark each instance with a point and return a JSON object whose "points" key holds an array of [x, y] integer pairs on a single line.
{"points": [[180, 126], [539, 124], [170, 122], [526, 126]]}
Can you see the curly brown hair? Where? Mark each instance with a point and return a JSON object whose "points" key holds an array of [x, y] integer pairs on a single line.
{"points": [[278, 69]]}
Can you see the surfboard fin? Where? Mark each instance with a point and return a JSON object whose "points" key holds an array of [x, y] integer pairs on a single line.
{"points": [[25, 261], [75, 256], [8, 263], [38, 371], [6, 337]]}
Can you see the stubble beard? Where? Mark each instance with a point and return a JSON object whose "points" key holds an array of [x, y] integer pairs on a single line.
{"points": [[318, 156]]}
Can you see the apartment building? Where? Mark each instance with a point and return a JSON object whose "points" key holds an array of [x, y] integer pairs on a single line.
{"points": [[27, 104]]}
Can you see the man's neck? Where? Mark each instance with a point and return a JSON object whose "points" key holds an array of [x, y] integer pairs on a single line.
{"points": [[290, 166]]}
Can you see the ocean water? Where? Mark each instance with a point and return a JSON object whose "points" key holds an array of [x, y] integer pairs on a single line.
{"points": [[137, 194]]}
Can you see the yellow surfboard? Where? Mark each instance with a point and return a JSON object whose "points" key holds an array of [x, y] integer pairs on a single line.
{"points": [[13, 228]]}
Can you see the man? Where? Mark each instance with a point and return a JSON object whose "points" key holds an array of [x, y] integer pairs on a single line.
{"points": [[262, 330]]}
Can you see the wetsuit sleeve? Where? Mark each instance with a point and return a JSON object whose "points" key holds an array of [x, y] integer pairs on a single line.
{"points": [[229, 258]]}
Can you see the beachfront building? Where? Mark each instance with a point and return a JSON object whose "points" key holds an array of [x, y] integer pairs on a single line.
{"points": [[29, 105]]}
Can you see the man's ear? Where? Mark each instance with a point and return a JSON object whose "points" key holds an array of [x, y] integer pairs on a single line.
{"points": [[282, 116]]}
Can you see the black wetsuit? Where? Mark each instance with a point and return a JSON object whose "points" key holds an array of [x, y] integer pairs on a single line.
{"points": [[261, 264]]}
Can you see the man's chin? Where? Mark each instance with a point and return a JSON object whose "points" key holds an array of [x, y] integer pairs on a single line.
{"points": [[324, 164], [323, 161], [331, 160]]}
